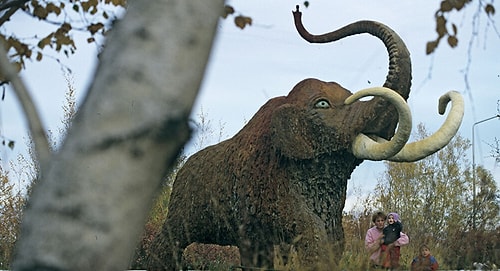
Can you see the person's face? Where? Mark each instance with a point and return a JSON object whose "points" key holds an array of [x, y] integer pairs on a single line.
{"points": [[390, 219], [380, 222], [425, 252]]}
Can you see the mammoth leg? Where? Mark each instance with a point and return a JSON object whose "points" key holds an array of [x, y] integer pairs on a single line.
{"points": [[315, 249], [256, 255], [307, 244], [166, 251], [256, 247]]}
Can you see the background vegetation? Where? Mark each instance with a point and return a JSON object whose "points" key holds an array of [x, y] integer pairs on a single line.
{"points": [[16, 185], [434, 199]]}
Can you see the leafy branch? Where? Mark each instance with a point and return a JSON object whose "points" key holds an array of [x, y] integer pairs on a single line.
{"points": [[449, 30]]}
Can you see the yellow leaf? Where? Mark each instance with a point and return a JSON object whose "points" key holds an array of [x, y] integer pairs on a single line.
{"points": [[459, 4], [242, 21], [45, 41], [94, 28], [122, 3], [66, 27], [228, 10], [441, 26], [40, 12], [431, 46], [86, 6], [11, 144], [446, 6], [489, 9], [452, 41], [21, 48], [51, 8]]}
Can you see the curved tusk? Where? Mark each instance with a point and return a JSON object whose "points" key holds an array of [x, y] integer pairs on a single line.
{"points": [[364, 147], [427, 146]]}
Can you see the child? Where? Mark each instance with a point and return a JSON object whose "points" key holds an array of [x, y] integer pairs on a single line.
{"points": [[392, 231], [390, 254], [424, 261]]}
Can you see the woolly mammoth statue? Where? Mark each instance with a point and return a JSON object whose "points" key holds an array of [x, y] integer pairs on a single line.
{"points": [[280, 183]]}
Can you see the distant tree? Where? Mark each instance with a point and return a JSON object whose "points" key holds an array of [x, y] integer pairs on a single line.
{"points": [[429, 194], [495, 150], [434, 198], [487, 201], [12, 201]]}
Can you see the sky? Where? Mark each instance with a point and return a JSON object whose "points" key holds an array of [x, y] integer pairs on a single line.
{"points": [[248, 67]]}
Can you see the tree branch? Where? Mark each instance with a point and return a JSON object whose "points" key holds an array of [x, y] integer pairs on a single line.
{"points": [[12, 4], [36, 128]]}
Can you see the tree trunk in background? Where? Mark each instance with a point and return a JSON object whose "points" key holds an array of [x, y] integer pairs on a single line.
{"points": [[88, 210]]}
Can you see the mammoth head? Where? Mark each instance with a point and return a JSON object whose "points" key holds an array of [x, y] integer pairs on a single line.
{"points": [[319, 117], [322, 117], [311, 120]]}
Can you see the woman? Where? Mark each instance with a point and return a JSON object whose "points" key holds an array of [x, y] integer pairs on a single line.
{"points": [[373, 240]]}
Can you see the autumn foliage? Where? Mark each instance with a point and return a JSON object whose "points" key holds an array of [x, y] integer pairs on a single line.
{"points": [[448, 30], [12, 203], [94, 17]]}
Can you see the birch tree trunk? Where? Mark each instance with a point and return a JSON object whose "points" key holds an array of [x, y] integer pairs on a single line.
{"points": [[88, 210]]}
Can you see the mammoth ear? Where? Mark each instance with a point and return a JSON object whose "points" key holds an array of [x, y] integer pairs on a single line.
{"points": [[289, 133]]}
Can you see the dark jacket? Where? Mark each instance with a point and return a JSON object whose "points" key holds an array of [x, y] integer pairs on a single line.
{"points": [[392, 232]]}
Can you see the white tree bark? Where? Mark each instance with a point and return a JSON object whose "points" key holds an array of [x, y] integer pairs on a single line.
{"points": [[88, 211]]}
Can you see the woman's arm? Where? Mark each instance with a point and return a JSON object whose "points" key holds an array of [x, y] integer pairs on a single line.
{"points": [[372, 243], [403, 240]]}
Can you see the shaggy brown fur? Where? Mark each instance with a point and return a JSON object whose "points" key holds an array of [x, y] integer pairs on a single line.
{"points": [[281, 180]]}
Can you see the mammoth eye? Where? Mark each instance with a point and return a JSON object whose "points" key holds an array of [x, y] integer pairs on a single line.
{"points": [[322, 104]]}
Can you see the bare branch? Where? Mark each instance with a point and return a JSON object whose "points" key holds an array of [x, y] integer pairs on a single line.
{"points": [[33, 118], [7, 4]]}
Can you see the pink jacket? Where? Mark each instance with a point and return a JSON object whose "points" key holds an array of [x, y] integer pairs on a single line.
{"points": [[372, 241]]}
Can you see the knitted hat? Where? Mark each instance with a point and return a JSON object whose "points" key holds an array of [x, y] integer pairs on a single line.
{"points": [[395, 216]]}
